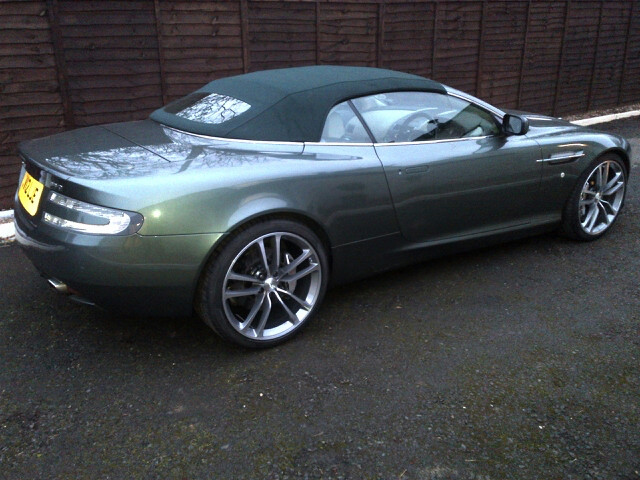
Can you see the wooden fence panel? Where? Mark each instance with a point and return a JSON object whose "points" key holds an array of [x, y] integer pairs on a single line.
{"points": [[30, 103], [107, 46], [504, 30], [407, 37], [347, 34], [579, 57], [201, 40], [281, 35], [629, 85], [456, 42], [70, 63], [542, 56], [610, 51]]}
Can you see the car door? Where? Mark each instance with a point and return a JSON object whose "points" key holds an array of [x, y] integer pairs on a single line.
{"points": [[450, 169]]}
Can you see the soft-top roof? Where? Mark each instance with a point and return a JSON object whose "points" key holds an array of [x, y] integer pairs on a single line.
{"points": [[288, 104]]}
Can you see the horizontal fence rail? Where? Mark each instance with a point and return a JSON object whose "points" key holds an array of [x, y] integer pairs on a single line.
{"points": [[71, 63]]}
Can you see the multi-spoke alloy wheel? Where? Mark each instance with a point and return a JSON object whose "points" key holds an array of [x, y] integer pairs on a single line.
{"points": [[265, 284], [271, 285], [597, 202], [601, 197]]}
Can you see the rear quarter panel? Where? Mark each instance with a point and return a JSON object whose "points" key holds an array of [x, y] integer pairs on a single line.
{"points": [[342, 188]]}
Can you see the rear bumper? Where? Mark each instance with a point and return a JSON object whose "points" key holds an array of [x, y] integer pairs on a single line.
{"points": [[135, 274]]}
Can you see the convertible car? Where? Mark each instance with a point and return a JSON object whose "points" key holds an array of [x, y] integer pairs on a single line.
{"points": [[244, 200]]}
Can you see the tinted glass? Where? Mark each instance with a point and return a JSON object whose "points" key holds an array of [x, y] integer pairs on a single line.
{"points": [[343, 125], [422, 116]]}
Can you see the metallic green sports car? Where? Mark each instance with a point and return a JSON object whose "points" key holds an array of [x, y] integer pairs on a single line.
{"points": [[244, 200]]}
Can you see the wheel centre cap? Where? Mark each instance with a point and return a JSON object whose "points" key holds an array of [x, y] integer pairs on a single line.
{"points": [[270, 284]]}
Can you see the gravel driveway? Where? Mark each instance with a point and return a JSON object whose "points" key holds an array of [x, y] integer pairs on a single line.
{"points": [[518, 361]]}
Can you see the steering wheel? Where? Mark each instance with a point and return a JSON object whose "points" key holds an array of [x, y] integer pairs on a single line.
{"points": [[402, 131]]}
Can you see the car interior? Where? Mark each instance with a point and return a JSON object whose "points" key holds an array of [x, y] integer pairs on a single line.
{"points": [[393, 120]]}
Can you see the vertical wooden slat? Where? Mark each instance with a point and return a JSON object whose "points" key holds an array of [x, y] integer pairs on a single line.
{"points": [[562, 51], [380, 34], [524, 55], [161, 58], [626, 53], [318, 32], [483, 16], [244, 32], [435, 40], [61, 66], [595, 59]]}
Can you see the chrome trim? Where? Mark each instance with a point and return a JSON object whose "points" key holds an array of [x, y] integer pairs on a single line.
{"points": [[81, 300], [540, 118], [339, 144], [562, 157], [476, 101], [444, 140], [239, 140], [58, 285], [567, 145], [565, 156], [384, 144]]}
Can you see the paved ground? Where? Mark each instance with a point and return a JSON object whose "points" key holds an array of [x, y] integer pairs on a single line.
{"points": [[520, 361]]}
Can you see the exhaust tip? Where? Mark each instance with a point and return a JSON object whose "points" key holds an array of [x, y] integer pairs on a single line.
{"points": [[58, 285]]}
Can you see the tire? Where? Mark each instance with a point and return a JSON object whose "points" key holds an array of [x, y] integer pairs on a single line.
{"points": [[249, 299], [596, 200]]}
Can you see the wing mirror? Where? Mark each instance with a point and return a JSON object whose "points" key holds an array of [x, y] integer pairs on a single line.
{"points": [[515, 124]]}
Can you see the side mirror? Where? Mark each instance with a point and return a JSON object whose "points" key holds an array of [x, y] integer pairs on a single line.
{"points": [[515, 124]]}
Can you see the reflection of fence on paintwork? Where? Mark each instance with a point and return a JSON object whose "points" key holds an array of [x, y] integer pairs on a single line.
{"points": [[172, 154], [71, 63]]}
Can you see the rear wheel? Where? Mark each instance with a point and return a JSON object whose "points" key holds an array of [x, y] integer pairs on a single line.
{"points": [[596, 199], [264, 284]]}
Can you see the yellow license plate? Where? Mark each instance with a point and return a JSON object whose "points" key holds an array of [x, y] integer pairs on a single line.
{"points": [[30, 193]]}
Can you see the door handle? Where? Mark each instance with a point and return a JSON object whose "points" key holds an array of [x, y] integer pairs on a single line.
{"points": [[414, 170]]}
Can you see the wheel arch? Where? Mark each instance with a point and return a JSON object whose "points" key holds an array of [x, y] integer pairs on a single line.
{"points": [[619, 152], [294, 216]]}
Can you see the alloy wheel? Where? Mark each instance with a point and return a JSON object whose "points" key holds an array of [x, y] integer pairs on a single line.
{"points": [[271, 286], [601, 197]]}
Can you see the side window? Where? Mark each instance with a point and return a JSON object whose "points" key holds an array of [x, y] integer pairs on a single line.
{"points": [[420, 116], [343, 125], [466, 120]]}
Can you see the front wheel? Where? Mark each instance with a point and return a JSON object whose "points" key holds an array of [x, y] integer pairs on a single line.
{"points": [[264, 284], [596, 199]]}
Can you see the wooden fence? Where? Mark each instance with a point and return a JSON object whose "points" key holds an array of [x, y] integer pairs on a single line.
{"points": [[70, 63]]}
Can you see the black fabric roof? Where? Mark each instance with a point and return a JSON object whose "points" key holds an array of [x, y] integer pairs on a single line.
{"points": [[289, 104]]}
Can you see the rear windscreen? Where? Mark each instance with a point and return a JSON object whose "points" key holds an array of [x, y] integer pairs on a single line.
{"points": [[212, 108]]}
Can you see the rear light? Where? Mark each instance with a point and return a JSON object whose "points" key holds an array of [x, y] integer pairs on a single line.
{"points": [[77, 216]]}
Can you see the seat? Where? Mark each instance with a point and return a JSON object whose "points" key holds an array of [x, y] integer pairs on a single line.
{"points": [[334, 128]]}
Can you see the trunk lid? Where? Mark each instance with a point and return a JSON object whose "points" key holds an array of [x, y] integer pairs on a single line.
{"points": [[90, 153], [141, 148]]}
